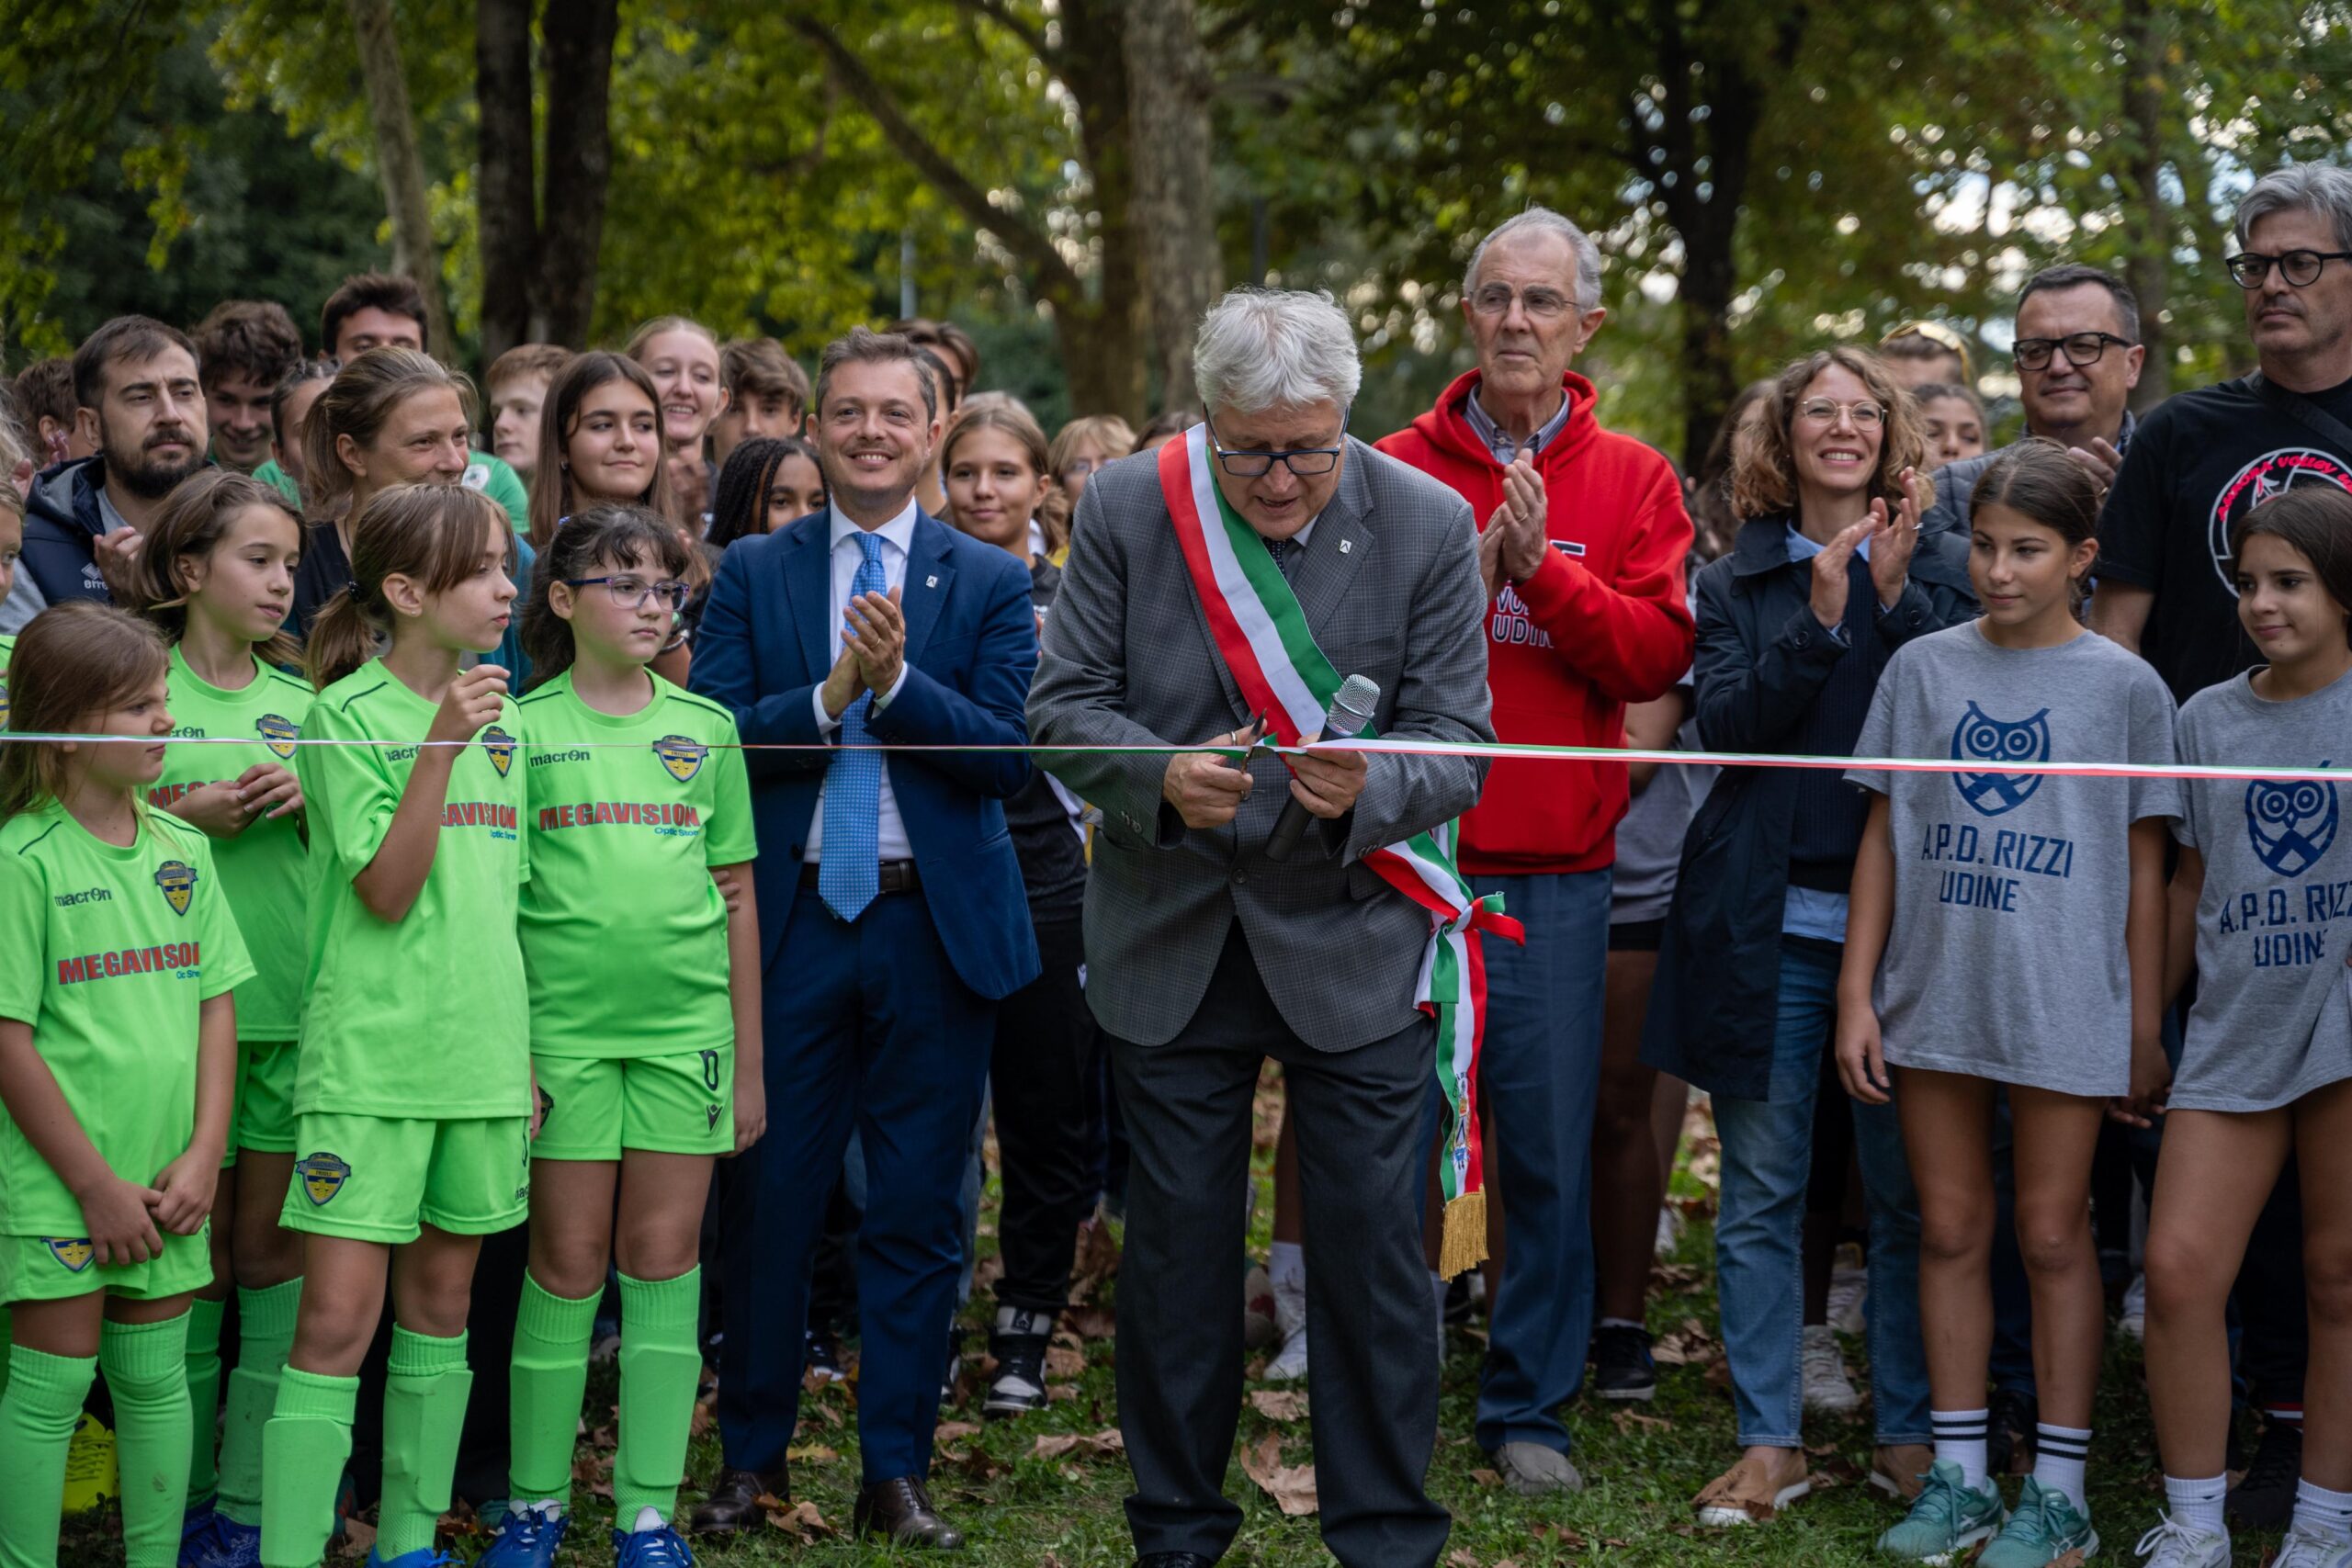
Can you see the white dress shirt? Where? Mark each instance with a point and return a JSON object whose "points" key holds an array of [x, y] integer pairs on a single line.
{"points": [[898, 536]]}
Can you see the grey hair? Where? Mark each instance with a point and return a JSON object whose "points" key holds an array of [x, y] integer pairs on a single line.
{"points": [[1262, 348], [1543, 220], [2322, 189]]}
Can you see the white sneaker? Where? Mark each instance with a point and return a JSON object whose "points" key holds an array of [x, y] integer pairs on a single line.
{"points": [[1828, 1387], [1290, 1318], [2135, 1320], [1850, 1291], [2175, 1545], [2307, 1548]]}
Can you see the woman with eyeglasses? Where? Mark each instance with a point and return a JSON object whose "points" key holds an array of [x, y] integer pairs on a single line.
{"points": [[1826, 577], [1082, 446]]}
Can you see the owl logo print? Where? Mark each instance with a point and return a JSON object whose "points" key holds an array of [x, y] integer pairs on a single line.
{"points": [[1979, 737], [2291, 823]]}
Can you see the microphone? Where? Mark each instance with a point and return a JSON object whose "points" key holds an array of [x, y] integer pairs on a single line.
{"points": [[1351, 711]]}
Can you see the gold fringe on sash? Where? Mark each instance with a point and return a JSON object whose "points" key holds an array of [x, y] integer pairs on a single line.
{"points": [[1463, 1243]]}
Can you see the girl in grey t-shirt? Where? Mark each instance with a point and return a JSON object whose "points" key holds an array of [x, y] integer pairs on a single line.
{"points": [[2006, 928], [2263, 889]]}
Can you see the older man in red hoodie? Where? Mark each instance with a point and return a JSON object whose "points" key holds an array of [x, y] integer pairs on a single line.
{"points": [[1582, 546]]}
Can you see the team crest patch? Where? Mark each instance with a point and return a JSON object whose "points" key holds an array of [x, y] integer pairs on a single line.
{"points": [[322, 1177], [2290, 824], [279, 733], [682, 756], [501, 746], [74, 1252], [1981, 737], [177, 880]]}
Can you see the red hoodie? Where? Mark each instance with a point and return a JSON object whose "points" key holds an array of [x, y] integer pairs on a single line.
{"points": [[1601, 624]]}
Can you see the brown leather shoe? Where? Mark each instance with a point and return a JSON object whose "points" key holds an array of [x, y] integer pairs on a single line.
{"points": [[733, 1503], [901, 1509]]}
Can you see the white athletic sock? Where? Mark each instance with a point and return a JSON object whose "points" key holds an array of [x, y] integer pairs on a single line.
{"points": [[2197, 1504], [1959, 1439], [1286, 1263], [648, 1519], [2323, 1512], [2059, 1455]]}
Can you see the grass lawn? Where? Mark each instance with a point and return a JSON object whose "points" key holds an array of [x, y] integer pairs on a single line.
{"points": [[1046, 1492]]}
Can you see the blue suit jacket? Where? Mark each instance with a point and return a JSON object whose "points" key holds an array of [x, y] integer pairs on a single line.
{"points": [[768, 638]]}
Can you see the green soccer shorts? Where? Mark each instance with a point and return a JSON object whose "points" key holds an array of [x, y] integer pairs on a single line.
{"points": [[265, 1119], [381, 1177], [596, 1106], [57, 1268]]}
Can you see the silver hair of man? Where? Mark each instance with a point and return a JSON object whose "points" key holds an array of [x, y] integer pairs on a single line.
{"points": [[1543, 220], [2322, 189], [1263, 348]]}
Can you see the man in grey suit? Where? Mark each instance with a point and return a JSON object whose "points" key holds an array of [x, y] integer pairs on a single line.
{"points": [[1205, 956]]}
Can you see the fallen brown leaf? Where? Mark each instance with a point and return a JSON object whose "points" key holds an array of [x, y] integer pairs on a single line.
{"points": [[706, 1418], [1065, 1360], [1461, 1557], [1629, 1420], [801, 1520], [1487, 1478], [950, 1431], [1093, 1321], [810, 1453], [1279, 1404], [1058, 1444], [1291, 1487], [358, 1537]]}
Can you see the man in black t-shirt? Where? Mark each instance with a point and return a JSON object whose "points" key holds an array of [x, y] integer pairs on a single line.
{"points": [[2203, 459]]}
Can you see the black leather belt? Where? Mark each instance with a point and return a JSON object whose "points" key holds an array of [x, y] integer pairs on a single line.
{"points": [[898, 877]]}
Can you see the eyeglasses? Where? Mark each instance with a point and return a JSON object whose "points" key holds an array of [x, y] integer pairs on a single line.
{"points": [[1825, 411], [1306, 462], [2082, 348], [631, 592], [1077, 467], [2301, 268], [1541, 304]]}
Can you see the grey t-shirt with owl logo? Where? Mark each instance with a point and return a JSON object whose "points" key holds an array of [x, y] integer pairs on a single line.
{"points": [[2270, 1023], [2006, 957]]}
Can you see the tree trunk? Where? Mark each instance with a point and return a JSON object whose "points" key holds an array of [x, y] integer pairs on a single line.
{"points": [[1093, 65], [1100, 363], [578, 37], [1175, 200], [399, 164], [2149, 266], [507, 211]]}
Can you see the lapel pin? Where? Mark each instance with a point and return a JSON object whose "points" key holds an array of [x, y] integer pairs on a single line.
{"points": [[1346, 545], [931, 582]]}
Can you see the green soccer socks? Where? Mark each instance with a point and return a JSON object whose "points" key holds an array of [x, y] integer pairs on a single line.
{"points": [[424, 1413], [203, 1395], [660, 1368], [304, 1447], [36, 1415], [146, 1370], [546, 1381], [265, 1337]]}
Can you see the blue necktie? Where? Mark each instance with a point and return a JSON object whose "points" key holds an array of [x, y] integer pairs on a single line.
{"points": [[849, 867]]}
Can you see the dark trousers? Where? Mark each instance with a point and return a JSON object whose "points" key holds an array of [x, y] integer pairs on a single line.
{"points": [[1045, 1073], [867, 1026], [1373, 1376]]}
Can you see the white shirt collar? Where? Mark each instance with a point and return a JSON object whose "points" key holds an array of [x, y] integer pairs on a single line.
{"points": [[899, 530]]}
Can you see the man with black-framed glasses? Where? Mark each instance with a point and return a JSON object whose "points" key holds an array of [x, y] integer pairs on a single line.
{"points": [[2078, 356], [2205, 458]]}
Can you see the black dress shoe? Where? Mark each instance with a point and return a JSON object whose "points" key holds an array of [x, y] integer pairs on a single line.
{"points": [[901, 1509], [1174, 1560], [734, 1501]]}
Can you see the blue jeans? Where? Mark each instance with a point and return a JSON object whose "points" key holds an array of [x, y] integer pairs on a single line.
{"points": [[1759, 1237], [1539, 1075]]}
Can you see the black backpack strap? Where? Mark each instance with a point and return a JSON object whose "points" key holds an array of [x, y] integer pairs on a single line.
{"points": [[2304, 411]]}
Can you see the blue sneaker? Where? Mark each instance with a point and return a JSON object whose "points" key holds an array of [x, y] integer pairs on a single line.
{"points": [[232, 1545], [422, 1557], [526, 1537], [663, 1548], [196, 1534]]}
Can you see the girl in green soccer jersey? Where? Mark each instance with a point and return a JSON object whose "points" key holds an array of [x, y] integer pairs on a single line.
{"points": [[118, 1063], [217, 575], [413, 1095], [636, 794]]}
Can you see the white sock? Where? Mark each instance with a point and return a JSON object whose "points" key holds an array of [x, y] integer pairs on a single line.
{"points": [[2197, 1504], [2059, 1454], [2322, 1512], [1959, 1439], [1286, 1263], [648, 1519]]}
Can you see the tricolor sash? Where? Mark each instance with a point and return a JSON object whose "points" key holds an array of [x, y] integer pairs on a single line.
{"points": [[1261, 634]]}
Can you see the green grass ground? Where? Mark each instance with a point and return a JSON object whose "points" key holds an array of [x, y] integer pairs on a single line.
{"points": [[1046, 1492]]}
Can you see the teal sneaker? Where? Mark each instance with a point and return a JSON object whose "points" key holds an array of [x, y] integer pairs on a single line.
{"points": [[1946, 1520], [2046, 1527]]}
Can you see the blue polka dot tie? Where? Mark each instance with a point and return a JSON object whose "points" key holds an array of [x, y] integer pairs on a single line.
{"points": [[849, 868]]}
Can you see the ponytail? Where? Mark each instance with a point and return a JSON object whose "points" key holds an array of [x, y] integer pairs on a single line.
{"points": [[431, 533]]}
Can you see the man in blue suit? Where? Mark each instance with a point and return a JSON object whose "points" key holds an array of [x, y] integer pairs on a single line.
{"points": [[891, 909]]}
